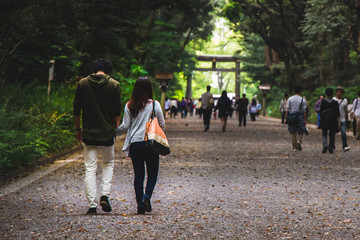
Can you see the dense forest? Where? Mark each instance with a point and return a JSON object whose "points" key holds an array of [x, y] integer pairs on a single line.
{"points": [[314, 43]]}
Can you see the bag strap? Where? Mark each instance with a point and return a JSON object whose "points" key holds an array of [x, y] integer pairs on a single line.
{"points": [[357, 100], [153, 113], [302, 99]]}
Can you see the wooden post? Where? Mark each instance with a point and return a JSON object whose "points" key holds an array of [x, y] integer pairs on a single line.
{"points": [[163, 78], [264, 104], [237, 78], [264, 89], [51, 76], [163, 96]]}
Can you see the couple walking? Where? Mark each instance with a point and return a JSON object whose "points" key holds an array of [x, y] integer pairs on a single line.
{"points": [[98, 101]]}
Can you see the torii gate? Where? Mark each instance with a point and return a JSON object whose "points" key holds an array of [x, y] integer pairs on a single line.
{"points": [[222, 58]]}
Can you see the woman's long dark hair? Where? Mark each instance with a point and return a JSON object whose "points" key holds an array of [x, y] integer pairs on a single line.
{"points": [[143, 91]]}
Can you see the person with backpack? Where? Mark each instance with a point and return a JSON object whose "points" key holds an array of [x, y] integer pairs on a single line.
{"points": [[253, 109], [343, 109], [98, 101], [355, 114], [295, 118], [224, 107], [137, 112], [329, 120]]}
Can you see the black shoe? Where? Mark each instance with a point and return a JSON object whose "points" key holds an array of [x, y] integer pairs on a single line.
{"points": [[105, 204], [223, 128], [91, 211], [141, 211], [147, 205], [206, 128], [324, 149], [331, 151], [298, 146]]}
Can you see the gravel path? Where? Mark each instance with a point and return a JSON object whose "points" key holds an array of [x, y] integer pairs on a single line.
{"points": [[241, 184]]}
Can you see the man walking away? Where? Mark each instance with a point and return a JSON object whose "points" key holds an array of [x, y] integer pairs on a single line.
{"points": [[282, 108], [97, 99], [296, 107], [329, 120], [241, 106], [317, 110], [184, 106], [207, 101], [173, 108], [343, 109], [355, 112]]}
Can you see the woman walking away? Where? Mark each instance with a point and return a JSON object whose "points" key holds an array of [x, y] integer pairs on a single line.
{"points": [[224, 107], [329, 120], [137, 112], [253, 109], [295, 118]]}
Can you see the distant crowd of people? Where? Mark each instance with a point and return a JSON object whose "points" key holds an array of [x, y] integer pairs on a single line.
{"points": [[208, 106]]}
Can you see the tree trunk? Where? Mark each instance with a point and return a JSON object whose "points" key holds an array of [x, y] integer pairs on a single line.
{"points": [[357, 6], [189, 86]]}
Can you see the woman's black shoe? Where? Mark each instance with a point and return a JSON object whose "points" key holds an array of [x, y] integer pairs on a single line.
{"points": [[331, 151], [147, 205], [324, 150], [141, 211]]}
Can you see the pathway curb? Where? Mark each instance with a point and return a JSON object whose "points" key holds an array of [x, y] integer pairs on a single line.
{"points": [[42, 161]]}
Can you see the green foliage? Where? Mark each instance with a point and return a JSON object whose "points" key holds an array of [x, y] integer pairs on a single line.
{"points": [[313, 43], [32, 127]]}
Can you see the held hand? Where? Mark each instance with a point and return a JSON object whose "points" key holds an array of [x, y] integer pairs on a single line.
{"points": [[78, 136]]}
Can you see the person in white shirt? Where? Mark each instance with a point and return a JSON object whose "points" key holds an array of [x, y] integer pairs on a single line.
{"points": [[137, 112], [173, 108], [296, 105], [343, 108], [355, 113]]}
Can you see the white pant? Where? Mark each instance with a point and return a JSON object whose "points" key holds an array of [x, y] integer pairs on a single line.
{"points": [[90, 158]]}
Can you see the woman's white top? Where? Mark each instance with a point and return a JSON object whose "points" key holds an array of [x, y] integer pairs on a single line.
{"points": [[135, 127]]}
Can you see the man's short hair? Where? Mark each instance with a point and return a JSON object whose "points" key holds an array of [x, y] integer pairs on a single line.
{"points": [[244, 95], [102, 64], [297, 89], [208, 88], [329, 92], [286, 94]]}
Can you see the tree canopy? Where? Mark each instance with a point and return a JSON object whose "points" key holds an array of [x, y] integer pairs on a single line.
{"points": [[313, 43]]}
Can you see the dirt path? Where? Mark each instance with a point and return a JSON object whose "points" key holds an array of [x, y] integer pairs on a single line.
{"points": [[241, 184]]}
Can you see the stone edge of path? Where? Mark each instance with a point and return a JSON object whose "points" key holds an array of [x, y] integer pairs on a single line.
{"points": [[26, 170]]}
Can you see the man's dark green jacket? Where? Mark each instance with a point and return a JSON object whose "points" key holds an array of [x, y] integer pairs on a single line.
{"points": [[98, 98]]}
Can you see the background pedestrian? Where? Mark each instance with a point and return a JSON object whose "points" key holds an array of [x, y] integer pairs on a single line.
{"points": [[329, 120]]}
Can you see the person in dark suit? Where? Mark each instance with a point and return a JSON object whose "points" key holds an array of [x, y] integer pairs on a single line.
{"points": [[329, 120], [224, 107]]}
